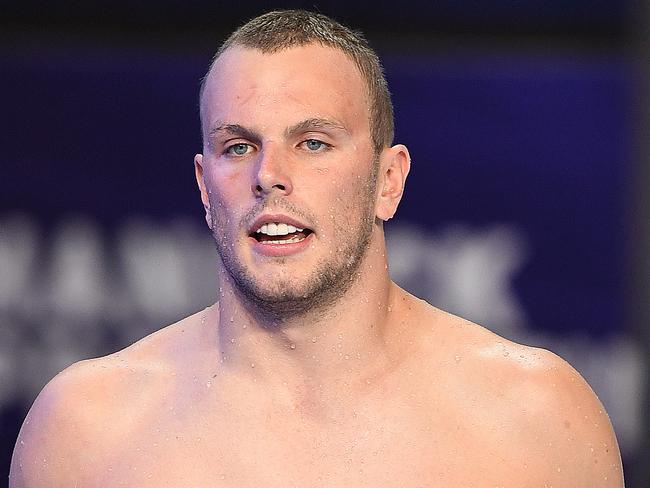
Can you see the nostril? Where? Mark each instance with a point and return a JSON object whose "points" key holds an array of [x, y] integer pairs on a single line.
{"points": [[261, 189]]}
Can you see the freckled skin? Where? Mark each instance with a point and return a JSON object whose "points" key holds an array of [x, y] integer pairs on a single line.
{"points": [[369, 388]]}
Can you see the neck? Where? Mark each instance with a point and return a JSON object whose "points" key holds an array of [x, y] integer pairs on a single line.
{"points": [[346, 342]]}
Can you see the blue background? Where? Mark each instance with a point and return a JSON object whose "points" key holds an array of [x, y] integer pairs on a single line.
{"points": [[516, 114]]}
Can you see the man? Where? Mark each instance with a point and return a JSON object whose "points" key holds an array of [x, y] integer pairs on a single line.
{"points": [[313, 368]]}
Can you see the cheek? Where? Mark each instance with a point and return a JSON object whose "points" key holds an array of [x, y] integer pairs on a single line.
{"points": [[226, 192], [360, 187], [352, 190], [349, 204], [224, 211]]}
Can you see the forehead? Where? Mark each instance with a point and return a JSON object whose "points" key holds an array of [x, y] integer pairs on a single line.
{"points": [[311, 80]]}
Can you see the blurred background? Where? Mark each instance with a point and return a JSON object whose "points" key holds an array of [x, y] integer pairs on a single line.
{"points": [[527, 208]]}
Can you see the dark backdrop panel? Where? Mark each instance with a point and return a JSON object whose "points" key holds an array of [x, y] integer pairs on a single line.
{"points": [[538, 143]]}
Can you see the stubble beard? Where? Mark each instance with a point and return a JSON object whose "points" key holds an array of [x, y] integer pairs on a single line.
{"points": [[328, 281]]}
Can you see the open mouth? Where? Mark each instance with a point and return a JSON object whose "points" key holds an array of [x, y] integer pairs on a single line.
{"points": [[280, 233]]}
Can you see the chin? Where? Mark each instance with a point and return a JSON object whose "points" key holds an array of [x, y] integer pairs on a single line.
{"points": [[283, 296], [279, 289]]}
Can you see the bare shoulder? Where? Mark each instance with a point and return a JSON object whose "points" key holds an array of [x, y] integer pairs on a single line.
{"points": [[85, 411], [535, 407]]}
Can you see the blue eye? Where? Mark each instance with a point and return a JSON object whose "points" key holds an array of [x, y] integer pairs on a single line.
{"points": [[238, 149], [315, 144]]}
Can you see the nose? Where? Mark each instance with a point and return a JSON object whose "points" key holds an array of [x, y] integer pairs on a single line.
{"points": [[271, 174]]}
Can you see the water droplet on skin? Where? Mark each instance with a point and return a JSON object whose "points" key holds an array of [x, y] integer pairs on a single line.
{"points": [[457, 358], [292, 346], [232, 319], [346, 356], [252, 365], [232, 341]]}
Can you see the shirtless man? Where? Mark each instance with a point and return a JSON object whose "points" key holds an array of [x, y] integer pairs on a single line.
{"points": [[313, 369]]}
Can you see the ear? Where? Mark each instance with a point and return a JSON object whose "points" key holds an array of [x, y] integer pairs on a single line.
{"points": [[199, 173], [394, 166]]}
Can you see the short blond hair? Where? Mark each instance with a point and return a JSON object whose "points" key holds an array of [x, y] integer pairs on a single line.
{"points": [[282, 29]]}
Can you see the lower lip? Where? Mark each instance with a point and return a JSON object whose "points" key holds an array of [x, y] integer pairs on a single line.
{"points": [[278, 250]]}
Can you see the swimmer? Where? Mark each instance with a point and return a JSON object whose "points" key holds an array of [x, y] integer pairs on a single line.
{"points": [[313, 369]]}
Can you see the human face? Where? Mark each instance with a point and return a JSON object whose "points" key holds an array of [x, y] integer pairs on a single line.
{"points": [[287, 141]]}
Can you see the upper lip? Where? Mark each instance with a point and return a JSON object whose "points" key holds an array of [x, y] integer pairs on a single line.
{"points": [[277, 218]]}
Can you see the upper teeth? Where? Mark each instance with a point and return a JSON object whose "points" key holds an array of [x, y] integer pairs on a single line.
{"points": [[278, 229]]}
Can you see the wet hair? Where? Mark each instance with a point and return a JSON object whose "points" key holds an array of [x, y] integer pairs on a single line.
{"points": [[283, 29]]}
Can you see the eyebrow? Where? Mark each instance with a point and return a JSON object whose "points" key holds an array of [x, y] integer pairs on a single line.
{"points": [[236, 130], [314, 124], [306, 125]]}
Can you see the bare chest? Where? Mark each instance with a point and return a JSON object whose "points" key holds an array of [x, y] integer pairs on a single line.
{"points": [[274, 455], [399, 447]]}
